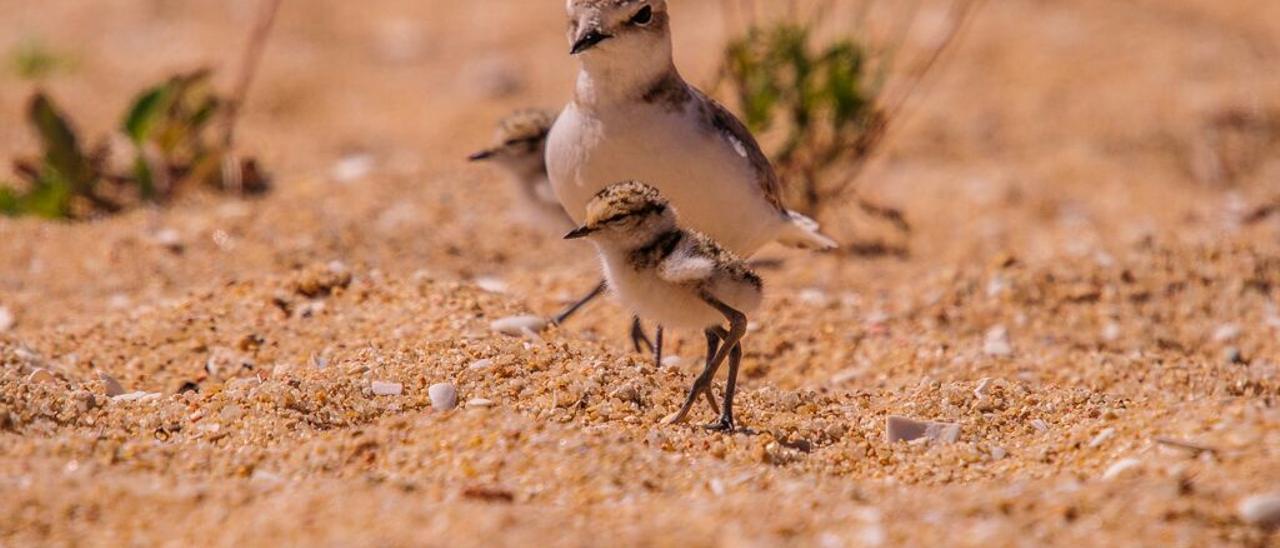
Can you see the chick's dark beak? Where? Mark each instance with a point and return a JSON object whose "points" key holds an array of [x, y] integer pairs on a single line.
{"points": [[580, 232], [480, 156], [588, 40]]}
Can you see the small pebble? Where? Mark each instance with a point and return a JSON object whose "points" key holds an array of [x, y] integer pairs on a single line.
{"points": [[1040, 425], [113, 386], [1121, 466], [351, 168], [1226, 333], [444, 397], [41, 376], [1102, 437], [7, 320], [479, 365], [906, 429], [516, 326], [996, 343], [1261, 510], [381, 388], [491, 284], [479, 402], [672, 361], [169, 239]]}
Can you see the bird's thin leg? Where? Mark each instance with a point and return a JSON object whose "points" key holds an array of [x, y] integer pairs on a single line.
{"points": [[714, 335], [657, 348], [737, 328], [725, 423], [572, 309], [638, 337]]}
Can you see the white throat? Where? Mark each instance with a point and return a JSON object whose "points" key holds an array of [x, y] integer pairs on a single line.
{"points": [[614, 76]]}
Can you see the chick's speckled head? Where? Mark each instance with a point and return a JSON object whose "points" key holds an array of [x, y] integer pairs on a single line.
{"points": [[520, 137], [627, 210]]}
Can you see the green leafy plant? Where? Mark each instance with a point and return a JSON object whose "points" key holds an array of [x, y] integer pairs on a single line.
{"points": [[823, 97], [175, 144], [64, 181], [171, 128], [31, 60], [824, 101]]}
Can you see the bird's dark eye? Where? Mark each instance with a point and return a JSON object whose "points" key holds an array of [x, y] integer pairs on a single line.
{"points": [[643, 17]]}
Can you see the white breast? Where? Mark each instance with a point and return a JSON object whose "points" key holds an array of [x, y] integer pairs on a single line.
{"points": [[650, 297], [708, 179]]}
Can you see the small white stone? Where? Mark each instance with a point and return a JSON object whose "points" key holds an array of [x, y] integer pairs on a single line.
{"points": [[816, 298], [1040, 425], [169, 238], [444, 396], [672, 361], [906, 429], [519, 325], [492, 284], [381, 388], [41, 376], [113, 386], [480, 365], [1226, 333], [351, 168], [1111, 332], [1102, 437], [996, 343], [479, 402], [1261, 510], [7, 320], [1121, 466]]}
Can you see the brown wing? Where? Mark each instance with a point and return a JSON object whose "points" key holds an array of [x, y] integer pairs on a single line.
{"points": [[729, 128]]}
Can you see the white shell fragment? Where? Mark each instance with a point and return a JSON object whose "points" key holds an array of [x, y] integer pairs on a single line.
{"points": [[41, 376], [516, 326], [381, 388], [906, 429], [137, 396], [480, 402], [1261, 510], [1121, 466], [444, 397]]}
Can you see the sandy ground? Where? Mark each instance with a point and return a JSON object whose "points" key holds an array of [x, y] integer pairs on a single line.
{"points": [[1084, 296]]}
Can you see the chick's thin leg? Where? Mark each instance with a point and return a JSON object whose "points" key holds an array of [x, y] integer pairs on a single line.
{"points": [[639, 339], [572, 309], [725, 422], [737, 328]]}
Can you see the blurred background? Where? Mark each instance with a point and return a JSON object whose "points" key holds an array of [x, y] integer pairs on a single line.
{"points": [[1069, 195]]}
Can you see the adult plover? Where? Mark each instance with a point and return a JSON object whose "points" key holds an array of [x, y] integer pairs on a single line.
{"points": [[679, 278], [634, 117]]}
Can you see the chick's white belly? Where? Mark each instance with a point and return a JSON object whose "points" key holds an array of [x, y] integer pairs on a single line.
{"points": [[710, 183], [653, 299]]}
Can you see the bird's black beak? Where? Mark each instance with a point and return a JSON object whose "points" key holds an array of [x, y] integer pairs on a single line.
{"points": [[588, 41], [480, 156], [580, 232]]}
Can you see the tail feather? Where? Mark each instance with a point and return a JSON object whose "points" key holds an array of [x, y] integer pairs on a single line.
{"points": [[804, 233]]}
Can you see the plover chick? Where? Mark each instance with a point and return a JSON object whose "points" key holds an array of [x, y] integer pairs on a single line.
{"points": [[679, 278], [634, 117], [519, 148]]}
